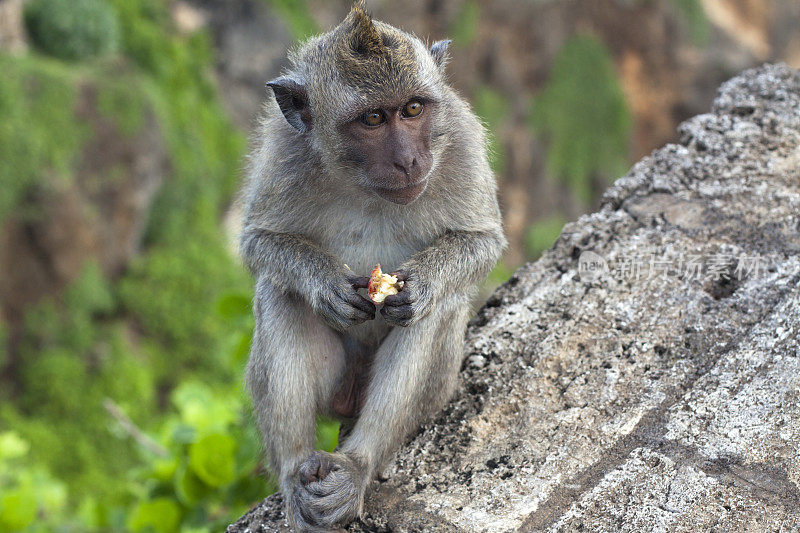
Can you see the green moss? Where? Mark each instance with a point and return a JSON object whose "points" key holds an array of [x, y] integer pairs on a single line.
{"points": [[173, 288], [125, 101], [327, 434], [584, 116], [173, 292], [40, 136]]}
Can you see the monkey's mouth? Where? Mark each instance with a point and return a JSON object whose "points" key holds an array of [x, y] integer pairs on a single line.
{"points": [[403, 196]]}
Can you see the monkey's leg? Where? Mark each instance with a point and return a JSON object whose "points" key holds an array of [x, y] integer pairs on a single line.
{"points": [[414, 373], [295, 364]]}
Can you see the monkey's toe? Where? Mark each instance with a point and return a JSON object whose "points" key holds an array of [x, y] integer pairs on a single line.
{"points": [[315, 468]]}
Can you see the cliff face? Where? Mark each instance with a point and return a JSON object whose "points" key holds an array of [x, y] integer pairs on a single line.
{"points": [[652, 386], [98, 212]]}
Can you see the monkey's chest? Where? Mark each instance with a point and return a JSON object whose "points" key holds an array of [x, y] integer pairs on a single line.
{"points": [[362, 248]]}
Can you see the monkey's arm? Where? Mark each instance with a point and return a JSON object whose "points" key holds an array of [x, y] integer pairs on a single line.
{"points": [[465, 257], [295, 264], [455, 260]]}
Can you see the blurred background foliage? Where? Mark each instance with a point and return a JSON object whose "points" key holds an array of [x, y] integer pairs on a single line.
{"points": [[125, 316]]}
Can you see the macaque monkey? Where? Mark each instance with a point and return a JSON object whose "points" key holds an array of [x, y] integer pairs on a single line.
{"points": [[364, 155]]}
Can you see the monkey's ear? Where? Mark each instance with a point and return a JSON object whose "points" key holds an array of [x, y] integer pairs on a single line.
{"points": [[293, 100], [440, 53]]}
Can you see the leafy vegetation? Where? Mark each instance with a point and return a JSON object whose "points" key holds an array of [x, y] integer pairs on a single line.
{"points": [[584, 116], [27, 494]]}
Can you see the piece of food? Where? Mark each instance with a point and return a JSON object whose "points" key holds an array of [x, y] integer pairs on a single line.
{"points": [[382, 285]]}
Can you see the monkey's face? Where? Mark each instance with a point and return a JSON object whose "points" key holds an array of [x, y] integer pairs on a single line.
{"points": [[392, 146], [365, 97]]}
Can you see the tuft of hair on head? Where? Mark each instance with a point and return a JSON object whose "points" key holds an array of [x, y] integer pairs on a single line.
{"points": [[365, 39], [440, 53]]}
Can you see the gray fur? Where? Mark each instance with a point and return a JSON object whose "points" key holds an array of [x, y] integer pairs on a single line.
{"points": [[306, 218]]}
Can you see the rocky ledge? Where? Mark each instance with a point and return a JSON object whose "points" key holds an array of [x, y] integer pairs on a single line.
{"points": [[650, 385]]}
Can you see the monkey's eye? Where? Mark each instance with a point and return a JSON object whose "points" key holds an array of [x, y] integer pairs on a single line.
{"points": [[412, 109], [373, 118]]}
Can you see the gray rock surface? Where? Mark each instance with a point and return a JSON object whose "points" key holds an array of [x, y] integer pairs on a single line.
{"points": [[661, 393]]}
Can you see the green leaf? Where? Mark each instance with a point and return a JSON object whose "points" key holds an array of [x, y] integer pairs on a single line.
{"points": [[201, 409], [93, 514], [241, 350], [189, 488], [12, 446], [164, 469], [17, 509], [50, 493], [162, 515], [212, 459]]}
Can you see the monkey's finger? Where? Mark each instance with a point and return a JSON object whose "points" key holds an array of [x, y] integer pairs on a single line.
{"points": [[359, 302], [398, 315], [351, 306], [401, 275], [401, 298], [400, 311], [359, 282], [319, 489], [333, 317], [357, 315], [337, 507], [310, 519]]}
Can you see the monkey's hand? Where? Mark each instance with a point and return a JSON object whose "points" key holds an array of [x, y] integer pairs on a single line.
{"points": [[328, 492], [338, 303], [412, 302]]}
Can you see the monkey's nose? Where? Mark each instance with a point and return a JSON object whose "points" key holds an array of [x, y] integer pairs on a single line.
{"points": [[406, 166]]}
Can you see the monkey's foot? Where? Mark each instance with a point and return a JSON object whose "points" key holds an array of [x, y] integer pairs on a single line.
{"points": [[329, 492]]}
